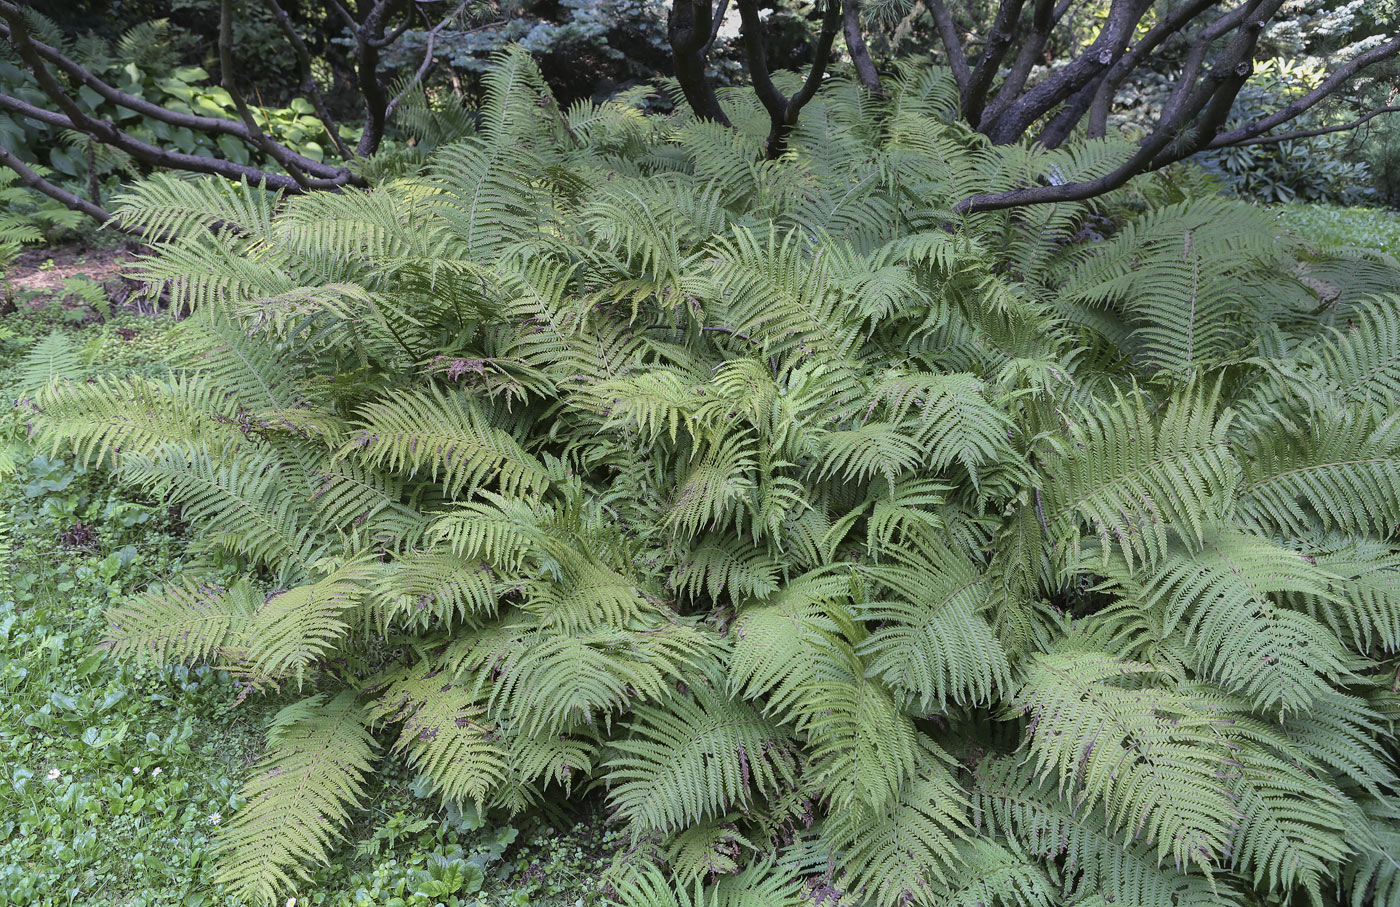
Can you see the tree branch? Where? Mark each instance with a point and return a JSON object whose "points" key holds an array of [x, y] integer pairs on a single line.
{"points": [[783, 112], [173, 160], [427, 64], [260, 138], [952, 46], [367, 73], [34, 181], [1043, 21], [718, 23], [308, 80], [998, 42], [688, 29], [1117, 31], [83, 76], [1328, 86], [1188, 100], [1313, 133], [866, 72], [1168, 27]]}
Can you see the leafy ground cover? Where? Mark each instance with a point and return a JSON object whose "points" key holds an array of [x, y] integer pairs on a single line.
{"points": [[1334, 225], [114, 777]]}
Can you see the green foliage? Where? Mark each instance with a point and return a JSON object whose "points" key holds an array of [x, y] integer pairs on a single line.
{"points": [[144, 62], [148, 759], [847, 548]]}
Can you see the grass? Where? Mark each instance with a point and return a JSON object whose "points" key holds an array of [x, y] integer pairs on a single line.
{"points": [[114, 777]]}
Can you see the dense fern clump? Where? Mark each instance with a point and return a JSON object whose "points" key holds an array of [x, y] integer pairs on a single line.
{"points": [[847, 548]]}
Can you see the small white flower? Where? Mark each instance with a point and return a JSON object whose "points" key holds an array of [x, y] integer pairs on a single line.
{"points": [[215, 818], [291, 902], [136, 770], [157, 770], [55, 774]]}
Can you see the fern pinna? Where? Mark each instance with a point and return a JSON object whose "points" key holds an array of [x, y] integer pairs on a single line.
{"points": [[846, 548]]}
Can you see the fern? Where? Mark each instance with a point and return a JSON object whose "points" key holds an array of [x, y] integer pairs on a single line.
{"points": [[847, 549]]}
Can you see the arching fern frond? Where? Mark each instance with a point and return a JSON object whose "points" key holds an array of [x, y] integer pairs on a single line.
{"points": [[694, 758], [299, 798], [1150, 756], [448, 437]]}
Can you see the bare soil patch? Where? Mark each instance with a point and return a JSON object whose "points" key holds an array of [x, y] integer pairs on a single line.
{"points": [[40, 274]]}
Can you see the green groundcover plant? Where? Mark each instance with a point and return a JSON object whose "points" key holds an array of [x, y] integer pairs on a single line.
{"points": [[851, 551]]}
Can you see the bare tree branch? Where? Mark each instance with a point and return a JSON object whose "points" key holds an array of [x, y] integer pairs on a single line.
{"points": [[1117, 31], [718, 23], [260, 138], [998, 42], [782, 111], [83, 76], [866, 72], [34, 181], [1044, 19], [308, 79], [369, 39], [952, 46], [1171, 25], [1329, 85], [160, 157], [689, 29], [427, 65], [1313, 133], [1179, 133]]}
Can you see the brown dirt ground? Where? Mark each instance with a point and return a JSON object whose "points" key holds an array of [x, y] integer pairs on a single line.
{"points": [[39, 273]]}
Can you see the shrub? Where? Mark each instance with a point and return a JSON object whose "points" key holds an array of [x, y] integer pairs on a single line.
{"points": [[845, 546]]}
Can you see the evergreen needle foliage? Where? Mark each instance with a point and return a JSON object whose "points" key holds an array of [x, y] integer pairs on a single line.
{"points": [[848, 549]]}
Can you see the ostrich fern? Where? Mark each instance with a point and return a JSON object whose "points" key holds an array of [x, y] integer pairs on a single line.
{"points": [[846, 548]]}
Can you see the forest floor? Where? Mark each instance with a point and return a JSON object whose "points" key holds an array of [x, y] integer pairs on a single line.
{"points": [[114, 777]]}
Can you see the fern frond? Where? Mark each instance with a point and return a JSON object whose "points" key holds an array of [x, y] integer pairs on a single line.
{"points": [[931, 641], [899, 852], [241, 503], [49, 361], [694, 758], [189, 622], [448, 437], [298, 799], [1132, 476], [1011, 799], [444, 731], [1149, 755]]}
